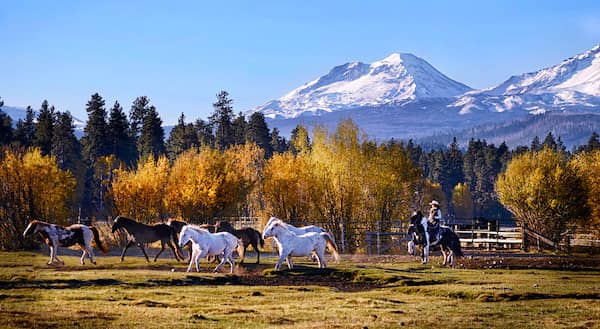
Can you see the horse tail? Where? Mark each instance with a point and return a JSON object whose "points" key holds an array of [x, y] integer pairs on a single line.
{"points": [[97, 240], [331, 245], [456, 245]]}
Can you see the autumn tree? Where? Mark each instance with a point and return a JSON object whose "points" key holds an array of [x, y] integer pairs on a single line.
{"points": [[462, 201], [32, 186], [587, 167], [139, 193], [543, 192]]}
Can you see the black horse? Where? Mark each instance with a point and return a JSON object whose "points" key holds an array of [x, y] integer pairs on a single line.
{"points": [[419, 235], [139, 234], [248, 235]]}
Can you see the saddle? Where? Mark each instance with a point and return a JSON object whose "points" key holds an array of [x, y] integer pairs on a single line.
{"points": [[433, 230]]}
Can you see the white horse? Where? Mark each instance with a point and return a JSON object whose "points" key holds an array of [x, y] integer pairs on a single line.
{"points": [[56, 235], [418, 234], [297, 230], [291, 244], [205, 244]]}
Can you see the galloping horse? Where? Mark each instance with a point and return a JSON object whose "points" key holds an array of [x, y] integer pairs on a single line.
{"points": [[205, 244], [297, 230], [56, 235], [418, 235], [248, 235], [139, 233], [290, 244]]}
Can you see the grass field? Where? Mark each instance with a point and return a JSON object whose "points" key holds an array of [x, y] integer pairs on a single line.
{"points": [[384, 292]]}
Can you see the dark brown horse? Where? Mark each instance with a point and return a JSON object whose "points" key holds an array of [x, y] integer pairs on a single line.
{"points": [[139, 234], [248, 235]]}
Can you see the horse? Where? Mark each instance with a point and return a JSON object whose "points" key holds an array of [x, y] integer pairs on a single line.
{"points": [[139, 234], [56, 235], [248, 235], [297, 230], [178, 225], [291, 244], [418, 235], [205, 244]]}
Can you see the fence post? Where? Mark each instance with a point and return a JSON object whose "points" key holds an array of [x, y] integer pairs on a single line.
{"points": [[368, 243], [343, 237], [378, 238], [524, 243]]}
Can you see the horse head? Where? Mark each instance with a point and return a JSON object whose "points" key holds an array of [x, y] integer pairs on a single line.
{"points": [[272, 228], [223, 226], [184, 235], [31, 229]]}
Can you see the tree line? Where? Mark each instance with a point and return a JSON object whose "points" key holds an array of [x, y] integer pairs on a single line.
{"points": [[234, 166]]}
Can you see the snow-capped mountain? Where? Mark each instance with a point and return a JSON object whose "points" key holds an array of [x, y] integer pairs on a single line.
{"points": [[17, 113], [402, 96], [395, 80], [572, 84]]}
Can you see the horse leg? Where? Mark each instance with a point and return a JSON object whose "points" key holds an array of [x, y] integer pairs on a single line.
{"points": [[255, 246], [225, 259], [193, 254], [321, 258], [90, 252], [451, 257], [129, 244], [144, 251], [83, 255], [190, 251], [444, 255], [200, 255], [243, 255], [426, 254], [51, 255], [290, 262], [231, 261], [162, 248], [174, 251], [282, 257]]}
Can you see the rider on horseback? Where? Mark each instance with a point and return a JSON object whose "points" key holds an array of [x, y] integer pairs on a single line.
{"points": [[435, 216]]}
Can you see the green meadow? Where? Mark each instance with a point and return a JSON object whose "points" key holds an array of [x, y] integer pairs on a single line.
{"points": [[358, 292]]}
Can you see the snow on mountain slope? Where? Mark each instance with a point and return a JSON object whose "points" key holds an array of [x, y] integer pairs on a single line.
{"points": [[396, 79], [580, 73], [572, 84]]}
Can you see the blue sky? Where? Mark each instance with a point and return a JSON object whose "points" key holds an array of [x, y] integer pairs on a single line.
{"points": [[181, 54]]}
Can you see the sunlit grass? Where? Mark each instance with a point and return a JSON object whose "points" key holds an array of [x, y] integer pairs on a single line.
{"points": [[135, 294]]}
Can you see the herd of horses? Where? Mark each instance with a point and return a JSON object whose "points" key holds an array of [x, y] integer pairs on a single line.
{"points": [[222, 240]]}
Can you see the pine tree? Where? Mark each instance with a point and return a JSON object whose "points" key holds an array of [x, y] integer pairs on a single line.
{"points": [[535, 144], [6, 130], [220, 120], [65, 146], [592, 144], [183, 137], [121, 141], [550, 142], [258, 132], [25, 130], [239, 129], [152, 136], [278, 143], [44, 128], [204, 133], [137, 113], [95, 139]]}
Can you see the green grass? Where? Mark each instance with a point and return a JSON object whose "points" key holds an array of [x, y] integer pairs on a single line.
{"points": [[350, 294]]}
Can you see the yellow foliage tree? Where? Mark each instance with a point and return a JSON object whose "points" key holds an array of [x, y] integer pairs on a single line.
{"points": [[206, 183], [139, 193], [31, 187], [543, 192], [462, 201], [286, 187], [587, 166]]}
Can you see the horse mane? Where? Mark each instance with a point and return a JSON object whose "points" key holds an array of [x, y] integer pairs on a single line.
{"points": [[197, 228], [39, 222]]}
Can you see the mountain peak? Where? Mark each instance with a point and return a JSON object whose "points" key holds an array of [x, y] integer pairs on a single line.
{"points": [[395, 79]]}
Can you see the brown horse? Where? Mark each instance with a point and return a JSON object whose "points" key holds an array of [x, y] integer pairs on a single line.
{"points": [[248, 235], [139, 234], [56, 235]]}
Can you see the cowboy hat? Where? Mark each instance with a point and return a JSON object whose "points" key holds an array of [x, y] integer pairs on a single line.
{"points": [[434, 203]]}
